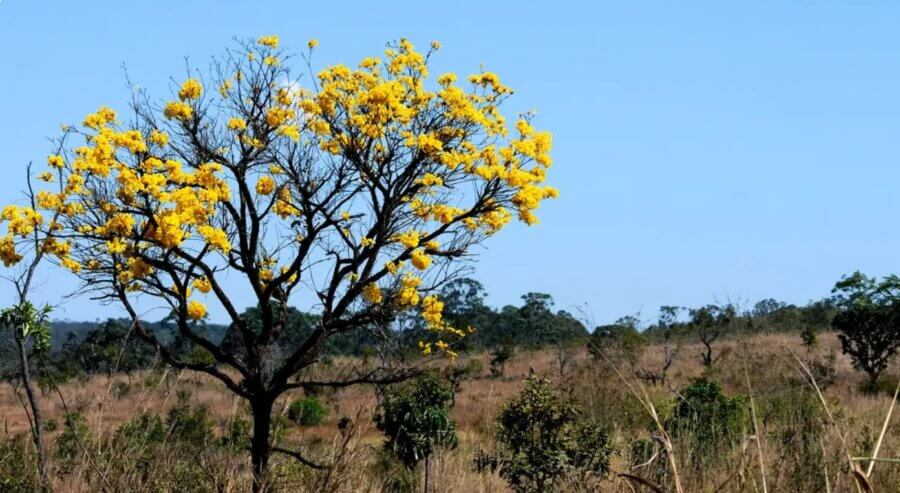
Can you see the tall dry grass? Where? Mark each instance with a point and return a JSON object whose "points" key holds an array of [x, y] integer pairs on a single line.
{"points": [[790, 442]]}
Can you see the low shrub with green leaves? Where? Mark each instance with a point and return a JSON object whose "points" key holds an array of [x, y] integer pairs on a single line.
{"points": [[415, 419], [706, 415], [546, 441], [307, 411]]}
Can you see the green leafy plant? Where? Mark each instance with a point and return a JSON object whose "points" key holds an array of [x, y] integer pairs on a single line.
{"points": [[869, 323], [708, 416], [545, 440], [499, 356], [415, 419], [307, 411]]}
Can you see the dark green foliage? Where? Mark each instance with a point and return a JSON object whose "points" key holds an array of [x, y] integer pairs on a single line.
{"points": [[415, 419], [142, 430], [307, 411], [238, 435], [709, 323], [869, 322], [73, 441], [109, 348], [617, 343], [18, 464], [710, 418], [545, 440], [499, 356], [189, 424], [870, 336], [809, 335]]}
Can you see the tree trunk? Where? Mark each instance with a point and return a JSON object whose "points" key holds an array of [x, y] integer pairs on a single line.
{"points": [[37, 431], [260, 450], [426, 473]]}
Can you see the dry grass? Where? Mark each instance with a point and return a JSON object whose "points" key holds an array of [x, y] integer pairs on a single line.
{"points": [[858, 419]]}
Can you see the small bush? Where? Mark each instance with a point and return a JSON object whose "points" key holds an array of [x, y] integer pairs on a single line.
{"points": [[416, 420], [191, 425], [544, 439], [708, 416], [307, 411], [499, 356], [884, 386], [141, 430], [71, 443], [238, 437], [18, 464]]}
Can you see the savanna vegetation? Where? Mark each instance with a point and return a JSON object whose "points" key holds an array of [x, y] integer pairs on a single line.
{"points": [[367, 191]]}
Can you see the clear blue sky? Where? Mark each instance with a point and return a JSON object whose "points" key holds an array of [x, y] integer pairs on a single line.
{"points": [[703, 149]]}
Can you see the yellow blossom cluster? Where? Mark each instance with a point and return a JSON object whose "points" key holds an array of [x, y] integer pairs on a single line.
{"points": [[441, 142]]}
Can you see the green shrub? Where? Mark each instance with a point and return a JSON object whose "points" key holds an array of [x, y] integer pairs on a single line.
{"points": [[191, 425], [796, 421], [238, 437], [143, 429], [544, 439], [499, 356], [307, 411], [71, 443], [18, 463], [415, 419], [708, 416]]}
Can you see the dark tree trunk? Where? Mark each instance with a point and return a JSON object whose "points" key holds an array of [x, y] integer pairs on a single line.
{"points": [[426, 474], [708, 355], [260, 448], [37, 418]]}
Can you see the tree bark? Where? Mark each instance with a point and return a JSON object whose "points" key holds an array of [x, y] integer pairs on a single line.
{"points": [[37, 418], [260, 448], [426, 473]]}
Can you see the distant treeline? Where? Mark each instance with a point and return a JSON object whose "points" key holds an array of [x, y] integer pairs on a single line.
{"points": [[111, 346]]}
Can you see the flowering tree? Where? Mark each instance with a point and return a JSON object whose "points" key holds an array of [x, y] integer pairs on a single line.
{"points": [[362, 192]]}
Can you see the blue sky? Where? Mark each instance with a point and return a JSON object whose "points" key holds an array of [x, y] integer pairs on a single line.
{"points": [[703, 149]]}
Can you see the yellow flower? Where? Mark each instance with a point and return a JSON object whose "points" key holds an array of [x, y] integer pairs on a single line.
{"points": [[408, 295], [435, 45], [190, 89], [116, 245], [138, 268], [178, 110], [47, 200], [265, 185], [277, 117], [237, 124], [225, 87], [71, 265], [159, 138], [312, 43], [431, 179], [202, 284], [409, 239], [372, 293], [215, 237], [290, 131], [103, 116], [270, 41], [8, 251], [196, 310], [55, 161], [432, 310], [419, 259], [45, 176]]}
